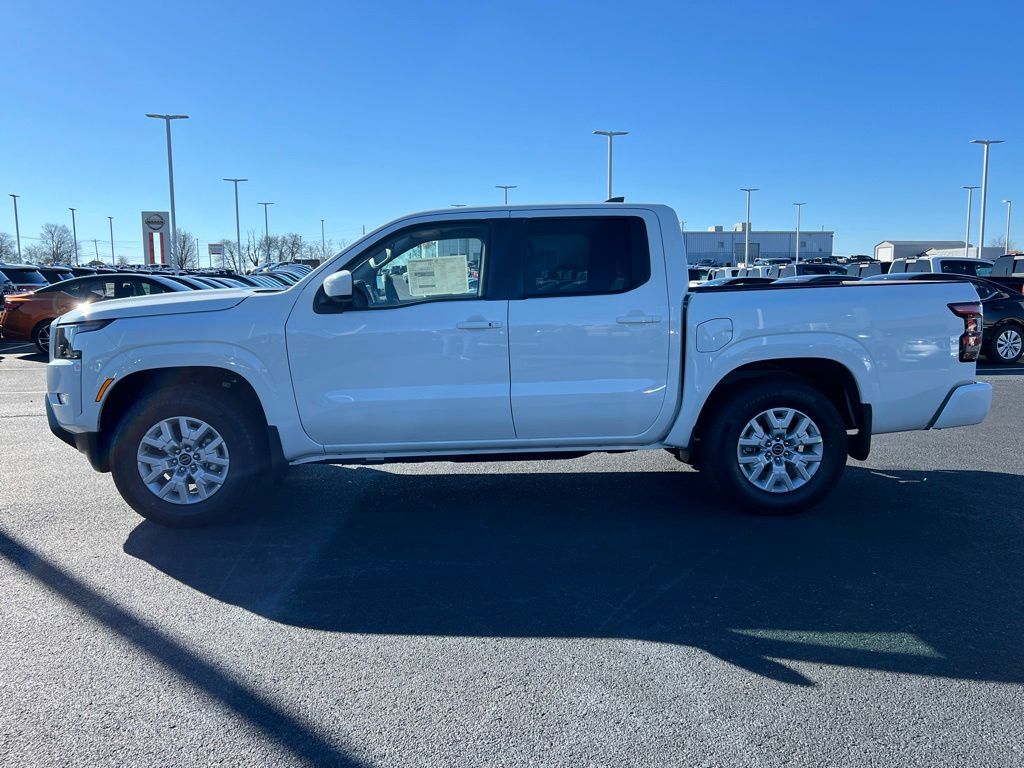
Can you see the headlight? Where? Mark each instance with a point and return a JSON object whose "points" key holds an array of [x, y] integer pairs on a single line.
{"points": [[65, 335]]}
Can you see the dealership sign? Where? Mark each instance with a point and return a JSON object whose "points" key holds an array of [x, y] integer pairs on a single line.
{"points": [[154, 228]]}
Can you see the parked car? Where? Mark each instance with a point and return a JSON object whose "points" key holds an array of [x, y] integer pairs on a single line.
{"points": [[574, 340], [736, 282], [55, 274], [24, 277], [954, 265], [1003, 334], [27, 317]]}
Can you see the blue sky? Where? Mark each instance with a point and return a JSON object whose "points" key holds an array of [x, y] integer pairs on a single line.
{"points": [[360, 112]]}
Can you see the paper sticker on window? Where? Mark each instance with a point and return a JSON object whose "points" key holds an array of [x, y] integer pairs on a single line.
{"points": [[439, 275]]}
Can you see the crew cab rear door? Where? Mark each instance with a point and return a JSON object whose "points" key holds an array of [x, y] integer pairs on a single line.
{"points": [[589, 335]]}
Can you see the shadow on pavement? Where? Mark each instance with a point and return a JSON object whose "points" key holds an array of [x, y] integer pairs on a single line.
{"points": [[905, 572]]}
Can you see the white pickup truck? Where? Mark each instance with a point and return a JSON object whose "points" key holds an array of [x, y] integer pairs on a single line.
{"points": [[498, 333]]}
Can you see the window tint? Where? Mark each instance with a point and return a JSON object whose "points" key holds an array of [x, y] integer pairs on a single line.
{"points": [[24, 276], [591, 255], [978, 269], [148, 288], [985, 292], [430, 263]]}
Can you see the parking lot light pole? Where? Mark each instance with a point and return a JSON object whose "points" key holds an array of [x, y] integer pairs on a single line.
{"points": [[505, 187], [967, 236], [266, 228], [746, 228], [611, 135], [170, 180], [112, 257], [323, 242], [74, 233], [1006, 244], [17, 229], [238, 226], [798, 207], [986, 143]]}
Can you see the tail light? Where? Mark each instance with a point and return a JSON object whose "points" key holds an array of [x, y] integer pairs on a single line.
{"points": [[970, 339]]}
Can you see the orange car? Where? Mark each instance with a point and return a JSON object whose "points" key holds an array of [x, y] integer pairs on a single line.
{"points": [[27, 316]]}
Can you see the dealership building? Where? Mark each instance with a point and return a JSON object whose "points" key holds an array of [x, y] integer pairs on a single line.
{"points": [[726, 247], [887, 250]]}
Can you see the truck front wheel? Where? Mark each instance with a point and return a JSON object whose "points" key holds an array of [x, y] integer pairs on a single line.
{"points": [[776, 448], [184, 458]]}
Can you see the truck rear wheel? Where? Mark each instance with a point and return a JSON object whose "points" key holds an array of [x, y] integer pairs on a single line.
{"points": [[777, 448], [183, 458]]}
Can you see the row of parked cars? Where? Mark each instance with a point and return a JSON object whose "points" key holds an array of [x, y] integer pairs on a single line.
{"points": [[1000, 286], [34, 295]]}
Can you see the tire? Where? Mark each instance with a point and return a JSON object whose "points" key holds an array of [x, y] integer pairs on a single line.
{"points": [[1007, 345], [221, 479], [778, 486], [41, 336]]}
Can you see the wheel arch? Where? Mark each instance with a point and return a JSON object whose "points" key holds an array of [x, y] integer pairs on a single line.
{"points": [[127, 391], [831, 377]]}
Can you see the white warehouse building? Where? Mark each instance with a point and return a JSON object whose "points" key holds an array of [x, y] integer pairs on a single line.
{"points": [[724, 247]]}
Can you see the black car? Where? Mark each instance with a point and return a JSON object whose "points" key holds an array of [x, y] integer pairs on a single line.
{"points": [[55, 274], [1003, 333]]}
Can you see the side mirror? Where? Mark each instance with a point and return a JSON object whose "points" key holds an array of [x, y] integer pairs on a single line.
{"points": [[339, 285]]}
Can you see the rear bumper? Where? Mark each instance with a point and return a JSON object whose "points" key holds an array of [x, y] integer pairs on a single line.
{"points": [[966, 404]]}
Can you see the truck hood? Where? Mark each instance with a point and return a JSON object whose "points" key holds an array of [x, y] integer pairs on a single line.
{"points": [[177, 303]]}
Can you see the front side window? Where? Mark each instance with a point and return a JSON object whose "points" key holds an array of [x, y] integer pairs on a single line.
{"points": [[434, 262], [585, 256]]}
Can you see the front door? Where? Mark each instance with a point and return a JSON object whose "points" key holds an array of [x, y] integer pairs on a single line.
{"points": [[418, 358]]}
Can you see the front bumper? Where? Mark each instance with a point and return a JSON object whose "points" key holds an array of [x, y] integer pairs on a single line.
{"points": [[966, 404], [86, 442]]}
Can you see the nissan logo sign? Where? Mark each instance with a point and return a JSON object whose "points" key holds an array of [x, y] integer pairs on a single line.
{"points": [[155, 222]]}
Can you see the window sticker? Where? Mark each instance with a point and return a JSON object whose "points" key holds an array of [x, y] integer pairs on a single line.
{"points": [[440, 275]]}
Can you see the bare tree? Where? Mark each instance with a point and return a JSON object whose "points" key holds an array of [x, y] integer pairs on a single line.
{"points": [[8, 247], [1000, 242], [289, 247], [122, 261], [230, 258], [55, 246], [252, 248], [185, 249]]}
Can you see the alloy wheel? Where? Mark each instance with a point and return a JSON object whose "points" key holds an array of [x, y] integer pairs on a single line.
{"points": [[183, 460], [780, 450], [1009, 343]]}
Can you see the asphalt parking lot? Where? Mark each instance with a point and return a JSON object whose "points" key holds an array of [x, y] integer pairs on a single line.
{"points": [[600, 611]]}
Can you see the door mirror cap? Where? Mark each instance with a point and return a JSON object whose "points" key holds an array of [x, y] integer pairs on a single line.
{"points": [[339, 285]]}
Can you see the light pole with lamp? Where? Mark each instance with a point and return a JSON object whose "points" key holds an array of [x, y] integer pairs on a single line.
{"points": [[986, 143], [238, 226], [74, 233], [17, 229], [170, 180], [506, 188], [798, 207], [266, 228], [746, 226], [1009, 209], [110, 219], [967, 236], [611, 135]]}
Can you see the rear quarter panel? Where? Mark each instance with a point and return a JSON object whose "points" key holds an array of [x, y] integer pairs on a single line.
{"points": [[900, 342]]}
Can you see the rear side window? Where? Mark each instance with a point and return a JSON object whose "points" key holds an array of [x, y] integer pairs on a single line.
{"points": [[24, 276], [977, 269], [585, 256]]}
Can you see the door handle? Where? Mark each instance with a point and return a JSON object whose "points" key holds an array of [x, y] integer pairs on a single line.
{"points": [[478, 325], [638, 319]]}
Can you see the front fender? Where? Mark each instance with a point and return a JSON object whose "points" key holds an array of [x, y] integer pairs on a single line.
{"points": [[704, 371], [271, 383]]}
